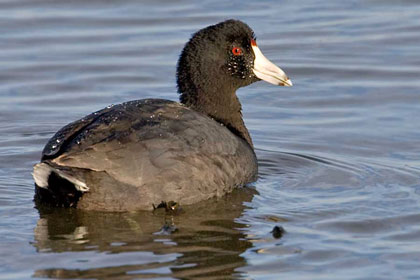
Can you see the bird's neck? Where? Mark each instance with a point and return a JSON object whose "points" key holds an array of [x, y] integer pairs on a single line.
{"points": [[218, 102]]}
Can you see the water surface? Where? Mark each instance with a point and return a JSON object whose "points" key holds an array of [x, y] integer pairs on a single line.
{"points": [[339, 153]]}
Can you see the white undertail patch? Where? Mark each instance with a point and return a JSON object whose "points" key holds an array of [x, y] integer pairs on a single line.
{"points": [[42, 171]]}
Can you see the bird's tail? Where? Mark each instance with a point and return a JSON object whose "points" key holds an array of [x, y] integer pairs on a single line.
{"points": [[58, 186]]}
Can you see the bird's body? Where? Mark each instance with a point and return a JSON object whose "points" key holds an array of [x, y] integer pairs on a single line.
{"points": [[121, 155], [134, 155]]}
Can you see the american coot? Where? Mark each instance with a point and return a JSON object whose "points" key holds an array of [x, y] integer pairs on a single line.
{"points": [[139, 153]]}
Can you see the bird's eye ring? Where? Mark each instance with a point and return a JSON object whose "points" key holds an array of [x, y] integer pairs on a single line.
{"points": [[236, 51]]}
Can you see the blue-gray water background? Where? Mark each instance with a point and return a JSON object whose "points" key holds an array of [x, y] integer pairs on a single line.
{"points": [[339, 153]]}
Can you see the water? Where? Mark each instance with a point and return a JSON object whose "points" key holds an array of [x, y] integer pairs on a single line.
{"points": [[339, 152]]}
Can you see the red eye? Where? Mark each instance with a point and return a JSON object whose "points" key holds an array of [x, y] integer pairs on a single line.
{"points": [[236, 51]]}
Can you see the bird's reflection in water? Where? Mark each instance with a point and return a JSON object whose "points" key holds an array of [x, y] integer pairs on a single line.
{"points": [[202, 240]]}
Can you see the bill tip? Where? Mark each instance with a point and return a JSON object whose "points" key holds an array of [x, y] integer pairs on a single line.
{"points": [[288, 83]]}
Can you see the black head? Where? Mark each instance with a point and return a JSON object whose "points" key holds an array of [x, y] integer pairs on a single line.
{"points": [[217, 54], [221, 57]]}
